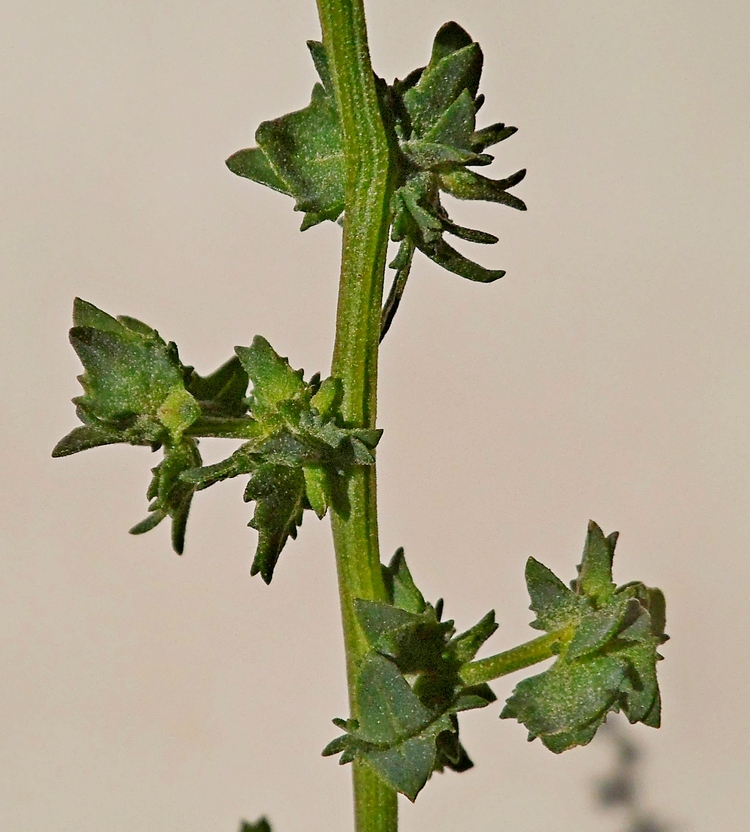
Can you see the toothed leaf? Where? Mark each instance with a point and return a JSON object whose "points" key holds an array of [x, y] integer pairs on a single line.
{"points": [[171, 494], [274, 381], [129, 374], [402, 591], [441, 83], [556, 606], [571, 696], [279, 494], [609, 637], [467, 184], [409, 689], [595, 572], [301, 154]]}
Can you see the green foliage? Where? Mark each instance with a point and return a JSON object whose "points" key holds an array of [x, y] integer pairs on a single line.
{"points": [[298, 453], [170, 495], [134, 384], [431, 117], [136, 392], [409, 690], [301, 154], [434, 119], [608, 653], [223, 393], [416, 674]]}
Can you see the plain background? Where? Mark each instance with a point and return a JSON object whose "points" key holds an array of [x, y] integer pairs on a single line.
{"points": [[605, 376]]}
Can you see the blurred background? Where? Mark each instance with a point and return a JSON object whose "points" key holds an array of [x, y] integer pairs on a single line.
{"points": [[605, 377]]}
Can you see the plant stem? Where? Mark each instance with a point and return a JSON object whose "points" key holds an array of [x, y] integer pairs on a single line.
{"points": [[531, 652], [355, 356], [225, 427]]}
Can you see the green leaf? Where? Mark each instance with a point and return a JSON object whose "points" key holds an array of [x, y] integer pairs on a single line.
{"points": [[416, 643], [223, 393], [492, 135], [556, 606], [408, 689], [299, 453], [431, 118], [327, 398], [434, 114], [400, 586], [127, 373], [279, 494], [301, 154], [466, 184], [133, 384], [470, 234], [317, 488], [171, 495], [450, 38], [455, 127], [609, 637], [433, 155], [452, 260], [595, 572], [466, 645], [274, 381], [178, 411], [571, 696], [402, 263], [396, 735], [252, 163], [85, 437], [389, 709], [441, 83], [242, 461]]}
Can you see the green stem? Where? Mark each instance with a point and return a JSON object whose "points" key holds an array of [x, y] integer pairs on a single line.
{"points": [[532, 652], [238, 427], [355, 356]]}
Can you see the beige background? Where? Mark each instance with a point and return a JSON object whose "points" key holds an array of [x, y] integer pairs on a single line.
{"points": [[606, 376]]}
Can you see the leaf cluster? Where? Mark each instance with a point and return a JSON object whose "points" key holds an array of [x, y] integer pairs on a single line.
{"points": [[408, 689], [136, 391], [435, 147], [298, 452], [608, 654]]}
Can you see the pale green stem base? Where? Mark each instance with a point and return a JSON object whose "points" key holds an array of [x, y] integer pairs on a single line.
{"points": [[532, 652]]}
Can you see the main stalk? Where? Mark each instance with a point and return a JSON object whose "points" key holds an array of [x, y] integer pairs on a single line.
{"points": [[355, 357]]}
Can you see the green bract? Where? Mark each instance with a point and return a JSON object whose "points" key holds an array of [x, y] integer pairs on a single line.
{"points": [[409, 690], [431, 117], [607, 654]]}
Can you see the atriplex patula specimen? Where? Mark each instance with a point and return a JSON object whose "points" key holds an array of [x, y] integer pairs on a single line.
{"points": [[376, 157]]}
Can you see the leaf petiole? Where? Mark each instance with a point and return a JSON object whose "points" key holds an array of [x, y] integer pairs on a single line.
{"points": [[517, 658], [227, 427]]}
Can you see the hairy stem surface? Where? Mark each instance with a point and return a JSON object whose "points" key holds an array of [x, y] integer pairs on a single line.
{"points": [[525, 655], [355, 357]]}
